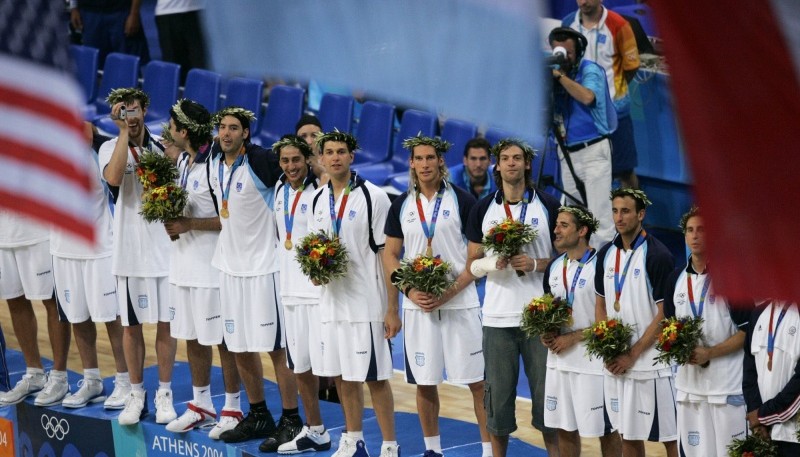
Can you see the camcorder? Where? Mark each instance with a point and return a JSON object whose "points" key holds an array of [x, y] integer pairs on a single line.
{"points": [[558, 59], [123, 113]]}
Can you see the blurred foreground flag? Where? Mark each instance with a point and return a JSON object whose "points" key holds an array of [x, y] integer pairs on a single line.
{"points": [[42, 146], [477, 60], [735, 81]]}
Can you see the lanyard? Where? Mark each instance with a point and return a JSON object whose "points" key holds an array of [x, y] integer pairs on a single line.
{"points": [[135, 154], [525, 199], [772, 333], [619, 282], [336, 219], [288, 218], [697, 311], [429, 231], [226, 189], [581, 263], [185, 172]]}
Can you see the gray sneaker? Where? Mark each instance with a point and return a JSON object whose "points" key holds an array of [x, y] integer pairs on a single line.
{"points": [[27, 386], [90, 390], [53, 392], [121, 392]]}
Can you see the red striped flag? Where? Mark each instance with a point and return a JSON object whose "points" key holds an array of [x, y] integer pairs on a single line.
{"points": [[41, 133], [734, 69]]}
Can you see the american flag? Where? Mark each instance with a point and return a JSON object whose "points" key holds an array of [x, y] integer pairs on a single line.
{"points": [[41, 130]]}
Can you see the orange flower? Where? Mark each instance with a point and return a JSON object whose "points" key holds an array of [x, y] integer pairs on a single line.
{"points": [[418, 267], [151, 177], [673, 336], [598, 331], [437, 261], [612, 323], [314, 255], [139, 172]]}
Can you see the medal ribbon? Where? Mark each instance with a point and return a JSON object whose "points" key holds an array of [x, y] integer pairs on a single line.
{"points": [[581, 263], [697, 311], [185, 172], [135, 154], [771, 335], [336, 219], [430, 231], [226, 190], [619, 282], [525, 199], [288, 218]]}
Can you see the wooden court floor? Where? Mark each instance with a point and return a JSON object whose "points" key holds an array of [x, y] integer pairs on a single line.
{"points": [[456, 402]]}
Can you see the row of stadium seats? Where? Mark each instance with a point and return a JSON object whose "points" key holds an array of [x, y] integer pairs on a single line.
{"points": [[381, 157]]}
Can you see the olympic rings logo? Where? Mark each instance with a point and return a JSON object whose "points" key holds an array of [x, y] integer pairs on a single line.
{"points": [[55, 427]]}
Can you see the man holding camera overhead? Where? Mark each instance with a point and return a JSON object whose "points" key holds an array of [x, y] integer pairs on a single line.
{"points": [[583, 117]]}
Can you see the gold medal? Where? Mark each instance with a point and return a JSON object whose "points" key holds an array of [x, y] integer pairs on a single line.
{"points": [[224, 212], [429, 252], [616, 305], [288, 244]]}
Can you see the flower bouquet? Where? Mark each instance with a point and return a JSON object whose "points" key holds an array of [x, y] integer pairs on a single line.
{"points": [[545, 314], [163, 203], [425, 273], [678, 338], [155, 170], [752, 446], [507, 238], [322, 258], [608, 339]]}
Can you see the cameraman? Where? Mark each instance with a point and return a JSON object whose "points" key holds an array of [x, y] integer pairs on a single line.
{"points": [[583, 117]]}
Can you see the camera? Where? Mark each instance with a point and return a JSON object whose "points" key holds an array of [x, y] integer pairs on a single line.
{"points": [[123, 113], [558, 59]]}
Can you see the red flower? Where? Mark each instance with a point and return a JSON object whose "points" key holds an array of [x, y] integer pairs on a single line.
{"points": [[666, 346], [612, 323], [500, 237]]}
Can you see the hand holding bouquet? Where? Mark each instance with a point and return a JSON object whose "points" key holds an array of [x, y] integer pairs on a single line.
{"points": [[507, 238], [322, 258], [545, 314], [608, 339], [425, 273], [678, 339]]}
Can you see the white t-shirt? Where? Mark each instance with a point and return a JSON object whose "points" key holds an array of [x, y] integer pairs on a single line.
{"points": [[65, 245], [190, 257], [178, 6], [507, 293], [574, 359], [360, 296], [247, 243], [296, 288], [141, 249], [449, 240], [17, 231]]}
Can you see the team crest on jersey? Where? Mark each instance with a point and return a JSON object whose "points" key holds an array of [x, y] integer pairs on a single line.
{"points": [[351, 215], [681, 300], [610, 273], [229, 326], [239, 186], [712, 298], [419, 359], [551, 403], [66, 295], [195, 184], [535, 221], [143, 301], [693, 438], [601, 38], [446, 214], [303, 208], [171, 313], [615, 405], [792, 330], [412, 217], [636, 272]]}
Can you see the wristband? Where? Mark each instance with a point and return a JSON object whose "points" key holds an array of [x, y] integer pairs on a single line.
{"points": [[535, 265]]}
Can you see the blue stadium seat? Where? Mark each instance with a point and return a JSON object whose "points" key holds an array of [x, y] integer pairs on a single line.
{"points": [[493, 135], [374, 133], [204, 87], [86, 61], [413, 123], [457, 133], [160, 82], [336, 112], [120, 70], [284, 108], [641, 12], [247, 93]]}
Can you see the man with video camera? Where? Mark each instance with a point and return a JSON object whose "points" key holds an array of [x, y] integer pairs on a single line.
{"points": [[583, 117]]}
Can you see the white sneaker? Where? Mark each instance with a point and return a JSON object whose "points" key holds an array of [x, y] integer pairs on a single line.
{"points": [[348, 447], [165, 412], [228, 419], [25, 387], [53, 392], [90, 390], [135, 408], [391, 450], [307, 441], [194, 417], [119, 396]]}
